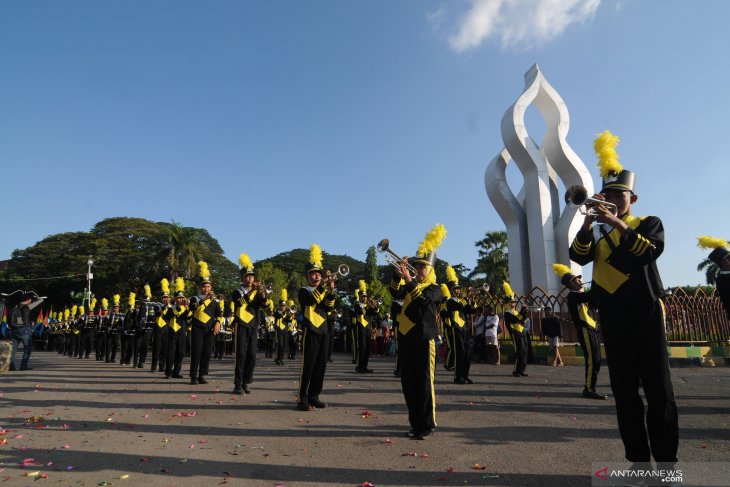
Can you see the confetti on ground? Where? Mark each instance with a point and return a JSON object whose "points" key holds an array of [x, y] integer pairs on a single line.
{"points": [[366, 414], [125, 476], [17, 437], [66, 447], [409, 454], [443, 478], [70, 467], [31, 474], [478, 467], [451, 470], [144, 459], [186, 414], [387, 441], [34, 419], [27, 461], [367, 484]]}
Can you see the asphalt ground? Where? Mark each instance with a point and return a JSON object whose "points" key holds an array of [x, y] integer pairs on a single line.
{"points": [[81, 422]]}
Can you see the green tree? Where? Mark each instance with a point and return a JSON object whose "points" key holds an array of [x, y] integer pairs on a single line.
{"points": [[711, 271], [185, 247], [371, 265], [493, 258]]}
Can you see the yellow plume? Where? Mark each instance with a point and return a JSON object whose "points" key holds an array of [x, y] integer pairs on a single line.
{"points": [[706, 242], [104, 303], [179, 285], [92, 304], [165, 286], [561, 269], [357, 294], [66, 313], [116, 299], [445, 291], [451, 274], [81, 310], [232, 305], [362, 286], [284, 295], [147, 291], [507, 289], [269, 304], [432, 240], [245, 261], [290, 302], [605, 147], [204, 271], [132, 299], [315, 255]]}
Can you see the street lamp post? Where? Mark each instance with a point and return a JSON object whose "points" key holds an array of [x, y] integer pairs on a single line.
{"points": [[89, 277]]}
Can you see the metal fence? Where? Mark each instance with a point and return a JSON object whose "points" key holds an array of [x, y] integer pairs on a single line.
{"points": [[696, 317]]}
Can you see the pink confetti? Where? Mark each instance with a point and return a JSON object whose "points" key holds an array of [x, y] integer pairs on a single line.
{"points": [[424, 455], [366, 414], [367, 484], [387, 441], [70, 467], [193, 396], [24, 448], [17, 437], [203, 442], [409, 454], [191, 446], [66, 446], [49, 464], [186, 414], [27, 461], [65, 426], [146, 416]]}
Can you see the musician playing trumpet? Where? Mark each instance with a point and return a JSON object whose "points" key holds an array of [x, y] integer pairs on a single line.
{"points": [[458, 310], [206, 323], [363, 311], [248, 301]]}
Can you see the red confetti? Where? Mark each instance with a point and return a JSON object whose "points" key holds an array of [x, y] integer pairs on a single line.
{"points": [[451, 470], [366, 414], [443, 478], [27, 461], [409, 454], [367, 484]]}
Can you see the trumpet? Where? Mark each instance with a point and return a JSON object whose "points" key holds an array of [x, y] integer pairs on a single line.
{"points": [[577, 197], [342, 271], [393, 259], [535, 308], [269, 288]]}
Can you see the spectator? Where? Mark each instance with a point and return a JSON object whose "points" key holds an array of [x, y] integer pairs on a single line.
{"points": [[21, 328], [491, 332], [552, 329]]}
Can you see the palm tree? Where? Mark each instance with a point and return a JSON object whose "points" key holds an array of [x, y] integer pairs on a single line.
{"points": [[711, 271], [492, 258], [183, 251]]}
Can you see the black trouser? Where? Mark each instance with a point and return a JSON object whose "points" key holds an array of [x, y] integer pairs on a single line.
{"points": [[110, 349], [520, 342], [159, 347], [480, 348], [460, 341], [417, 376], [125, 354], [331, 343], [589, 342], [175, 352], [280, 344], [246, 338], [86, 339], [269, 344], [314, 363], [141, 344], [100, 344], [293, 345], [450, 356], [201, 348], [636, 350], [354, 338], [363, 346], [394, 336]]}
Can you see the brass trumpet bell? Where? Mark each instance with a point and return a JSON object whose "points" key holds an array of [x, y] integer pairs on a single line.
{"points": [[577, 197], [393, 259]]}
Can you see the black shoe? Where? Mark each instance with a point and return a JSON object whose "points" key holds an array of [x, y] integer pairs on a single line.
{"points": [[26, 368], [354, 361], [139, 366], [330, 360], [594, 395], [317, 403], [303, 406], [167, 376], [246, 389], [422, 435], [177, 376], [194, 381], [396, 373], [154, 369], [238, 390], [469, 381], [369, 371], [411, 433], [516, 374], [359, 370], [522, 374], [459, 380], [202, 380]]}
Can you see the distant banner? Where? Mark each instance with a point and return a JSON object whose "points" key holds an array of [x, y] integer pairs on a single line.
{"points": [[704, 474]]}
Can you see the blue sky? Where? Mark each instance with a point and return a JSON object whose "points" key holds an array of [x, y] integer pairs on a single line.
{"points": [[279, 124]]}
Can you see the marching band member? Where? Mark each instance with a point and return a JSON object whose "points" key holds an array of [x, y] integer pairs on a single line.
{"points": [[161, 330], [114, 324], [362, 311], [87, 327], [417, 329], [396, 306], [315, 301], [586, 328], [353, 328], [178, 318], [293, 332], [720, 256], [627, 288], [146, 323], [515, 321], [130, 325], [206, 323], [248, 301], [458, 309], [101, 331], [447, 332], [280, 325]]}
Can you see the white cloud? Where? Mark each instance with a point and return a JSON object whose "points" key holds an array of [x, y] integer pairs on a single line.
{"points": [[437, 17], [519, 23]]}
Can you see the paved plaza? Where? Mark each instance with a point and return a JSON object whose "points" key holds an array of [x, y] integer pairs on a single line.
{"points": [[81, 422]]}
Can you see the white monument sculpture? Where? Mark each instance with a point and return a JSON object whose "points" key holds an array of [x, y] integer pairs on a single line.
{"points": [[538, 232]]}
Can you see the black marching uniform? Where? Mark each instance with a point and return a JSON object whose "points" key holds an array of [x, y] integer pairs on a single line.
{"points": [[87, 326], [723, 289], [160, 334], [458, 310], [627, 289], [127, 336], [248, 304], [417, 330], [363, 317], [113, 323], [315, 303], [293, 336], [395, 308], [206, 313], [146, 322], [515, 321], [587, 331], [280, 326], [178, 318], [100, 337], [448, 335]]}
